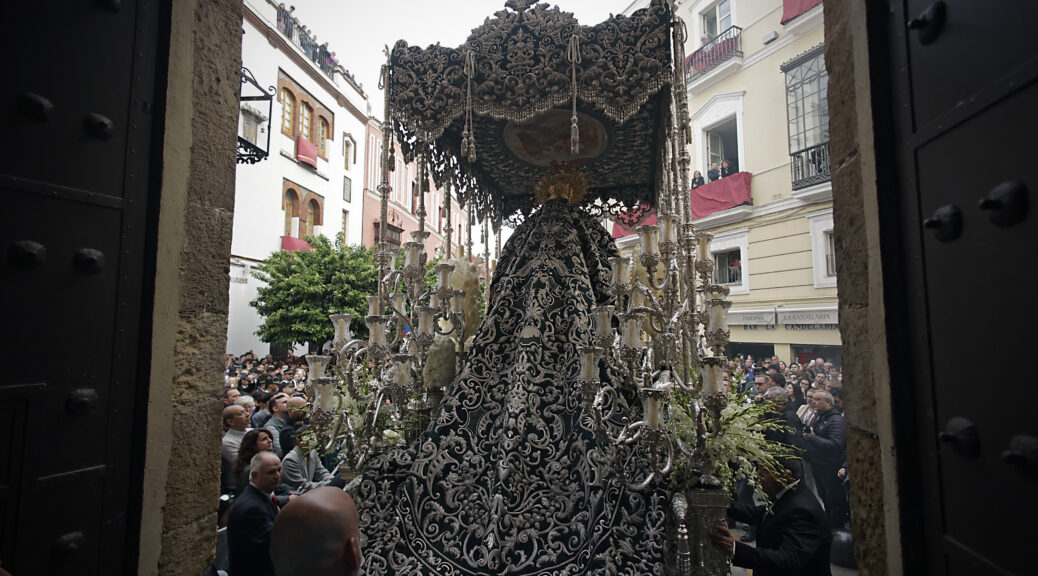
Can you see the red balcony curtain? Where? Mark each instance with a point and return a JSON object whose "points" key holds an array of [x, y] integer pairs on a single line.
{"points": [[793, 8], [290, 243], [721, 194], [620, 229], [306, 151]]}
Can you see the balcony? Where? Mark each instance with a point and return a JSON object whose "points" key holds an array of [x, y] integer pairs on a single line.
{"points": [[723, 48], [296, 33], [810, 166]]}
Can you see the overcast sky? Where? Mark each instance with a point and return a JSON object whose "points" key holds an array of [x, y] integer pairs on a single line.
{"points": [[359, 30]]}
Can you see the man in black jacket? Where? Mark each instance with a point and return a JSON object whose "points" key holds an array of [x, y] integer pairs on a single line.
{"points": [[826, 444], [251, 519], [793, 538]]}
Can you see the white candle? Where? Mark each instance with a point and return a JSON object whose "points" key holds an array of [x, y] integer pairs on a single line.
{"points": [[443, 272], [718, 317], [703, 246], [602, 317], [374, 306], [425, 320], [458, 302], [412, 254], [620, 269], [589, 365], [434, 301], [377, 336], [651, 407], [637, 300], [324, 394], [669, 228], [632, 333], [648, 236], [711, 379]]}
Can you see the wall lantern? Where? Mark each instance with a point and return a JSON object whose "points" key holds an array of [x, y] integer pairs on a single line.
{"points": [[253, 123]]}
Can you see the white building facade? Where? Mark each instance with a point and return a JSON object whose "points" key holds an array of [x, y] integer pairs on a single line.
{"points": [[312, 181]]}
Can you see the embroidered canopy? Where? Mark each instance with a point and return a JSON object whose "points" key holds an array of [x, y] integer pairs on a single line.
{"points": [[489, 117]]}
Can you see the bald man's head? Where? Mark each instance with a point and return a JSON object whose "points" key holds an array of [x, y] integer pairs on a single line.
{"points": [[318, 533]]}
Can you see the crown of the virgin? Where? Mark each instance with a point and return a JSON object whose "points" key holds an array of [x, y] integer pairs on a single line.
{"points": [[561, 182]]}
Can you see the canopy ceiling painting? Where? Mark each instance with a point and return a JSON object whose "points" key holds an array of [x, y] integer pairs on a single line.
{"points": [[490, 116]]}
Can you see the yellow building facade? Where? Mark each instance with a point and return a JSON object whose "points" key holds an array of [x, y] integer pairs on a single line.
{"points": [[757, 98]]}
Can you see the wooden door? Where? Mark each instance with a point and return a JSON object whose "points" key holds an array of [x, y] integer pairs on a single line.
{"points": [[956, 80], [77, 185]]}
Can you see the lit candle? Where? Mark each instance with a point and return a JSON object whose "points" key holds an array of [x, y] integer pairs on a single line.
{"points": [[648, 234], [341, 322], [602, 317], [374, 306], [620, 266]]}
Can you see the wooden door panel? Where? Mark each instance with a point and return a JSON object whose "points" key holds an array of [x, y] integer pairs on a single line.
{"points": [[979, 42]]}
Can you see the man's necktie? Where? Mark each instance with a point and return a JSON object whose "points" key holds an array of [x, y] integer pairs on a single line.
{"points": [[274, 499]]}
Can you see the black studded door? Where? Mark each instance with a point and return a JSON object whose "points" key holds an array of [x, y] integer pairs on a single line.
{"points": [[77, 122], [958, 81]]}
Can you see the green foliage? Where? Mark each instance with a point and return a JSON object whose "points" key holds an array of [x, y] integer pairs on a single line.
{"points": [[303, 287]]}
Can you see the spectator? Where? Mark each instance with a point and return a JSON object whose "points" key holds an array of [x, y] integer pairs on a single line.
{"points": [[303, 468], [794, 536], [261, 414], [826, 443], [248, 403], [295, 417], [252, 443], [251, 520], [697, 179], [713, 173], [235, 418], [230, 395], [727, 170], [278, 417], [319, 535]]}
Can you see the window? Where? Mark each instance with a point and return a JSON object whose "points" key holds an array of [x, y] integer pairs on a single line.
{"points": [[730, 250], [288, 109], [807, 114], [313, 212], [722, 143], [728, 267], [823, 248], [392, 236], [717, 18], [322, 139], [830, 254], [290, 210], [305, 115], [347, 189], [345, 223], [347, 147]]}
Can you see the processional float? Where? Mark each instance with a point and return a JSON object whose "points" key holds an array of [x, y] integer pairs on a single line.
{"points": [[531, 90]]}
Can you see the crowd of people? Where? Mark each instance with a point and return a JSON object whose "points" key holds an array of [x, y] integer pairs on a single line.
{"points": [[302, 36], [269, 460], [716, 172]]}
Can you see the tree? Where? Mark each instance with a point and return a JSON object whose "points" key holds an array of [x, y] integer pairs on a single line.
{"points": [[303, 287]]}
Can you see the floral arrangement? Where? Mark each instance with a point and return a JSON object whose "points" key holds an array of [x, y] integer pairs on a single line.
{"points": [[440, 366], [734, 450]]}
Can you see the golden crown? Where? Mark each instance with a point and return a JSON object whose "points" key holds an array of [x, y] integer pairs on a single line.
{"points": [[562, 182]]}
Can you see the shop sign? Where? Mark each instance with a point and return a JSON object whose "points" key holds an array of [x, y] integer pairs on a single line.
{"points": [[808, 316], [754, 317]]}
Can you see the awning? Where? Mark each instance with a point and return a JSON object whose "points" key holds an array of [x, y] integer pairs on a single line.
{"points": [[752, 316], [815, 315], [292, 243], [793, 8], [306, 151]]}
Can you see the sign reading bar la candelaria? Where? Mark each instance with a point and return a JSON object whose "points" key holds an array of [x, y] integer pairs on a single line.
{"points": [[801, 316]]}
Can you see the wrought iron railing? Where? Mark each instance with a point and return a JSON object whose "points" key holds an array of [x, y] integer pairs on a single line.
{"points": [[723, 47], [294, 31], [810, 166]]}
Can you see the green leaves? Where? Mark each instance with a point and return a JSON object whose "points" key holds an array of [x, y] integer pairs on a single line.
{"points": [[301, 288]]}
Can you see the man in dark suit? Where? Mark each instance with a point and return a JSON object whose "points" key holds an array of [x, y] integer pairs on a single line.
{"points": [[793, 539], [713, 173], [826, 443], [251, 520]]}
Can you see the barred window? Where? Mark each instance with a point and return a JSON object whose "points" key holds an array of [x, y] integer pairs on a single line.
{"points": [[807, 108], [728, 267], [830, 254]]}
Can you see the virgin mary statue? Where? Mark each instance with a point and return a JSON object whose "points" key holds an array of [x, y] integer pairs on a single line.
{"points": [[511, 478]]}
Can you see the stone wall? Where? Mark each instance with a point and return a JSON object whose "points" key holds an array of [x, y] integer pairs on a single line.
{"points": [[870, 449], [181, 482]]}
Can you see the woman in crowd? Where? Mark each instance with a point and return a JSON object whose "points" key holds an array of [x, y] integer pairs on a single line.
{"points": [[697, 179], [254, 442]]}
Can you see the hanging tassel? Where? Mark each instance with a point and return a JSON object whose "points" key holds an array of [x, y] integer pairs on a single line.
{"points": [[468, 136], [573, 54]]}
